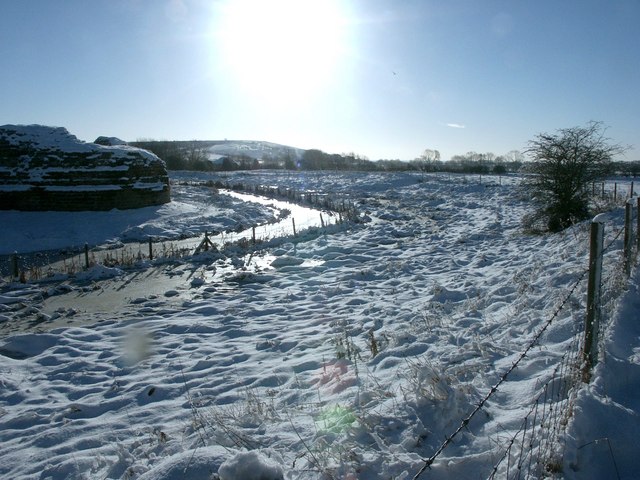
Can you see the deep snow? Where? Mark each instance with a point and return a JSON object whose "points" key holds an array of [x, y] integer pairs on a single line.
{"points": [[351, 354]]}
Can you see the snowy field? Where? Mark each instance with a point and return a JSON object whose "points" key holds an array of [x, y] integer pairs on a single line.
{"points": [[350, 354]]}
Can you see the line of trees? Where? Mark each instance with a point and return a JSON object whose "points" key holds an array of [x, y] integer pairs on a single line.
{"points": [[178, 155], [470, 162], [194, 155]]}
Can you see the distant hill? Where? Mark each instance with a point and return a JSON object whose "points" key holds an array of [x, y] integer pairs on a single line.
{"points": [[216, 149], [222, 154], [257, 150], [229, 155]]}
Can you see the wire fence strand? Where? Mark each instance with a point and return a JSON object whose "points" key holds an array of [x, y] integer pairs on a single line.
{"points": [[537, 443]]}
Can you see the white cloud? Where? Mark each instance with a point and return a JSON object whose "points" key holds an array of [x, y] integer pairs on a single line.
{"points": [[456, 125]]}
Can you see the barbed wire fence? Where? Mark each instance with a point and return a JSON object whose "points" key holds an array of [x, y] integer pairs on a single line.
{"points": [[41, 266], [537, 448]]}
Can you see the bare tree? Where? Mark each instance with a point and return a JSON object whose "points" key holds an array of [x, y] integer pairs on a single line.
{"points": [[430, 155], [428, 161], [196, 152], [514, 156], [564, 165]]}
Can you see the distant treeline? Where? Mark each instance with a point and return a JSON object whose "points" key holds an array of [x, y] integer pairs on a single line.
{"points": [[194, 155], [179, 155]]}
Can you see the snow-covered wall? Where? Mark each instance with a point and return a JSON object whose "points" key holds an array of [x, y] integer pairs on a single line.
{"points": [[47, 168]]}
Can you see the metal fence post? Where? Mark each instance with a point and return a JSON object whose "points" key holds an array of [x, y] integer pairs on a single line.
{"points": [[592, 324]]}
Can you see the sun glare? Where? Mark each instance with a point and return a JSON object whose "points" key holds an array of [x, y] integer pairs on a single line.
{"points": [[282, 52]]}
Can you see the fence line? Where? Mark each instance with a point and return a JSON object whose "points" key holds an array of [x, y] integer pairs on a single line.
{"points": [[465, 422], [148, 250], [530, 436], [542, 427], [604, 193]]}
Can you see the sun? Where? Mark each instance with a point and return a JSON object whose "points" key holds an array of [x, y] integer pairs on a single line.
{"points": [[282, 51]]}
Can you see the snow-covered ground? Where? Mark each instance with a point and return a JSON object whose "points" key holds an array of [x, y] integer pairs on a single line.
{"points": [[350, 354], [192, 211]]}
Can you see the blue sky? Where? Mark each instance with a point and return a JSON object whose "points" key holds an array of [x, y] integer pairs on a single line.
{"points": [[381, 78]]}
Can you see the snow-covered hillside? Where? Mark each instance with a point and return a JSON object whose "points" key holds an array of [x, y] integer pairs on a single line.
{"points": [[253, 149], [349, 355]]}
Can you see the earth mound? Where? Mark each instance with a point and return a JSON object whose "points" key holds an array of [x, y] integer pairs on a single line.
{"points": [[47, 168]]}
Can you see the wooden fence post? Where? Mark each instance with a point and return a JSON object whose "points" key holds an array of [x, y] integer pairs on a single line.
{"points": [[615, 192], [628, 236], [150, 248], [86, 256], [592, 324], [602, 189], [15, 273], [253, 233], [638, 228], [631, 190], [321, 220], [293, 221]]}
